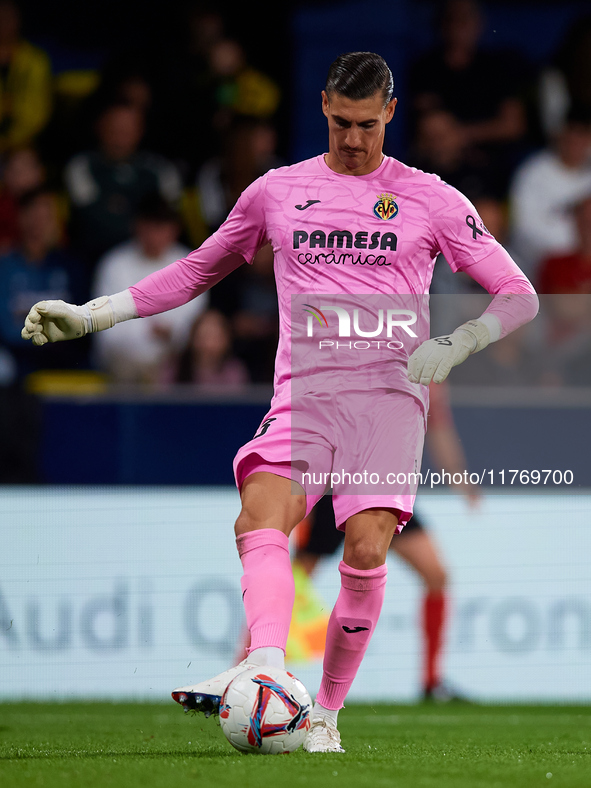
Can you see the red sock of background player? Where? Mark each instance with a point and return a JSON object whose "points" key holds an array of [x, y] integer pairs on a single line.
{"points": [[351, 625], [267, 592], [433, 620]]}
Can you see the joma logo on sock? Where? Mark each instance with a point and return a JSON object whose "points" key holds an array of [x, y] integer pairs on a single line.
{"points": [[352, 630]]}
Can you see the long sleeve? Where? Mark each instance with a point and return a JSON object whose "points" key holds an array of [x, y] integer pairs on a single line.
{"points": [[469, 247], [184, 279], [235, 242], [515, 301]]}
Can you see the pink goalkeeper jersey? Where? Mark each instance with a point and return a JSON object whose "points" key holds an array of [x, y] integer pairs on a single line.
{"points": [[336, 234], [376, 233]]}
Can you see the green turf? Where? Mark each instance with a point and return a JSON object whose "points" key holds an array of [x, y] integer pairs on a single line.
{"points": [[405, 746]]}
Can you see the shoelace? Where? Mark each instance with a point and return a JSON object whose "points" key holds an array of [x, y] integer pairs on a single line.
{"points": [[320, 727]]}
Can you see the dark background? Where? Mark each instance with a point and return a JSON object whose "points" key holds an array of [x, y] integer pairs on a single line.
{"points": [[293, 42]]}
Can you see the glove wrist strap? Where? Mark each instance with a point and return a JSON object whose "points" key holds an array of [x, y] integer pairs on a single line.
{"points": [[101, 313], [478, 331]]}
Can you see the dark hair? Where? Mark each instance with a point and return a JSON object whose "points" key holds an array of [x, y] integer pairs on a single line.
{"points": [[154, 208], [360, 75], [187, 367], [578, 115]]}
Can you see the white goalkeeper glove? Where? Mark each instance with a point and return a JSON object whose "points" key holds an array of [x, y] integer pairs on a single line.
{"points": [[434, 359], [56, 321]]}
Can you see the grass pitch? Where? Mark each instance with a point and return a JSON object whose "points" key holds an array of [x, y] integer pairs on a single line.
{"points": [[153, 746]]}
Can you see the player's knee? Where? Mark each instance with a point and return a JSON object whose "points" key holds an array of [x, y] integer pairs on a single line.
{"points": [[365, 554], [367, 538], [253, 520], [268, 502]]}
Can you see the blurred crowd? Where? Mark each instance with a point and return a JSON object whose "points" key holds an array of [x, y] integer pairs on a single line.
{"points": [[516, 140], [107, 178]]}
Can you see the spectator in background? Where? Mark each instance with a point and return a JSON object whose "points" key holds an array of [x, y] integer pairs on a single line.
{"points": [[134, 352], [564, 344], [511, 362], [543, 191], [105, 186], [38, 268], [205, 27], [571, 273], [135, 90], [495, 216], [565, 82], [556, 349], [207, 358], [481, 88], [247, 297], [441, 147], [183, 105], [202, 85], [576, 367], [123, 79], [25, 83], [81, 96], [23, 171], [238, 88], [256, 317], [249, 151]]}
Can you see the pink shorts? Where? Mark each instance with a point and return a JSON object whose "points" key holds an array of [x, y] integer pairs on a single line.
{"points": [[364, 446]]}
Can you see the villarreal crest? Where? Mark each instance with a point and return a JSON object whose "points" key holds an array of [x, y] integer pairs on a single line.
{"points": [[386, 207]]}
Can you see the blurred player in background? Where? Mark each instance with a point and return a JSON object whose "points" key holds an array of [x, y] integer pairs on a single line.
{"points": [[312, 212], [317, 537]]}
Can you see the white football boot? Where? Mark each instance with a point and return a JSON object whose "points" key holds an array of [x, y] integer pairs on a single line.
{"points": [[206, 695], [322, 737]]}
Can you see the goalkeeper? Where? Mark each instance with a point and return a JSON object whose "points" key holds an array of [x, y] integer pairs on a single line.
{"points": [[349, 223]]}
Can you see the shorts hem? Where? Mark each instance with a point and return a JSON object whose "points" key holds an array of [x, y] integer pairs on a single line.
{"points": [[361, 503]]}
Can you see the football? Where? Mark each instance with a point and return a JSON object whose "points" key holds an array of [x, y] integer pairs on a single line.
{"points": [[265, 710]]}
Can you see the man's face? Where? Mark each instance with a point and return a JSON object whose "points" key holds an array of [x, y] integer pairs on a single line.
{"points": [[38, 222], [462, 24], [356, 132], [574, 144], [120, 131], [155, 237]]}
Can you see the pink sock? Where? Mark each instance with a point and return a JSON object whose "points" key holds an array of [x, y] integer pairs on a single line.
{"points": [[350, 628], [267, 586]]}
